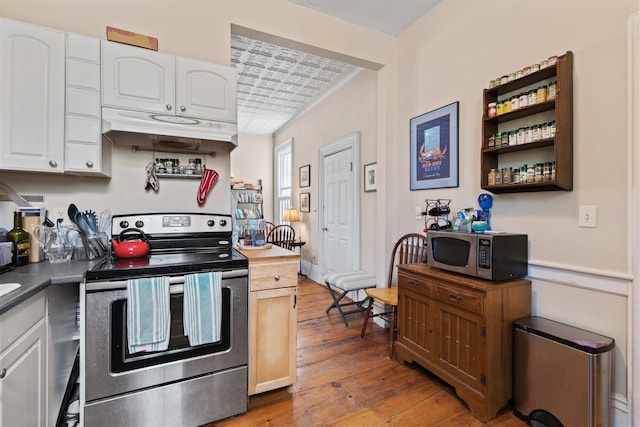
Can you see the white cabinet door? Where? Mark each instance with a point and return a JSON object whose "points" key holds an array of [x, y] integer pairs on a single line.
{"points": [[23, 387], [23, 364], [85, 151], [32, 71], [205, 90], [137, 79]]}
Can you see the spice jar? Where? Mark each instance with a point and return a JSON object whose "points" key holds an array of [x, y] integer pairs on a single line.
{"points": [[528, 135], [533, 97], [492, 177], [520, 136], [511, 77], [514, 102], [526, 70], [535, 67], [552, 60], [552, 129], [523, 174], [499, 108], [551, 92], [191, 167], [506, 106], [492, 141], [531, 173], [541, 94], [506, 176], [498, 177], [513, 138], [553, 171], [505, 139], [543, 64], [519, 74], [546, 172], [538, 172], [491, 109], [504, 80], [523, 100]]}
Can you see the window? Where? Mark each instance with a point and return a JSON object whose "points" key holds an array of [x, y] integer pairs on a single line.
{"points": [[282, 179]]}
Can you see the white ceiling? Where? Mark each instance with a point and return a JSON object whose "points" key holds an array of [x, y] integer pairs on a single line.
{"points": [[277, 84]]}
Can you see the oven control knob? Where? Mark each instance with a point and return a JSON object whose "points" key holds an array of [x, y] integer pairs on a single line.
{"points": [[211, 223], [139, 224], [223, 222], [124, 224]]}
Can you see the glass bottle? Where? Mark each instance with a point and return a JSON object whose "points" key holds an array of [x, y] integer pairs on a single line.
{"points": [[523, 174], [492, 177], [506, 176], [19, 239], [498, 177]]}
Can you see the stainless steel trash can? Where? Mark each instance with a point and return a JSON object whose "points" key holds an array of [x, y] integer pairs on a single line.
{"points": [[562, 374]]}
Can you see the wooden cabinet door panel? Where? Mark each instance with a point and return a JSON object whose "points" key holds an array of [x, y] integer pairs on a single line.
{"points": [[414, 325], [272, 339], [460, 344]]}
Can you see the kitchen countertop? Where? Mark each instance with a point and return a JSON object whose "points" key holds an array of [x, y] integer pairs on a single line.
{"points": [[37, 276], [274, 253]]}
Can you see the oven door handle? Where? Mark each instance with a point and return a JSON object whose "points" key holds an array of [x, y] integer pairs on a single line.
{"points": [[176, 282]]}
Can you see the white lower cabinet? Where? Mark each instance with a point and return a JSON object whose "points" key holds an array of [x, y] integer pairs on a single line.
{"points": [[23, 388]]}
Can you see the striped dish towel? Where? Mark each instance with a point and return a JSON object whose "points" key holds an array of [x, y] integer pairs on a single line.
{"points": [[148, 314], [202, 307]]}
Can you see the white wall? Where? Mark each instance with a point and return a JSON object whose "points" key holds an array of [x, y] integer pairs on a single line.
{"points": [[352, 108], [581, 276]]}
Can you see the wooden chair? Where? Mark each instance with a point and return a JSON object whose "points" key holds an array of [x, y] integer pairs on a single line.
{"points": [[269, 226], [410, 248], [282, 235]]}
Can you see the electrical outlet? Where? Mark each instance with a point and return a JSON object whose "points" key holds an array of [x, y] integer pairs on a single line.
{"points": [[58, 213], [418, 213], [588, 216]]}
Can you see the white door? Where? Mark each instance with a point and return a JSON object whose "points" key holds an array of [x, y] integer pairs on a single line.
{"points": [[340, 234], [137, 79], [32, 63], [205, 90]]}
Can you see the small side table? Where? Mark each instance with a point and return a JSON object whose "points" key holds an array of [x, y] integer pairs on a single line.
{"points": [[299, 244]]}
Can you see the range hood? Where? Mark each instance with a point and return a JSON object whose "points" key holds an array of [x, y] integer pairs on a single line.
{"points": [[162, 132]]}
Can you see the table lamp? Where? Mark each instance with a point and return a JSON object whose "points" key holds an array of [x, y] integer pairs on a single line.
{"points": [[291, 215]]}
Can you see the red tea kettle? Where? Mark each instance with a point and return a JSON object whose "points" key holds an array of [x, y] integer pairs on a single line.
{"points": [[131, 243]]}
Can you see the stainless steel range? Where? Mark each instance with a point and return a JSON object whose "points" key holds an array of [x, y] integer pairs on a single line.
{"points": [[184, 385]]}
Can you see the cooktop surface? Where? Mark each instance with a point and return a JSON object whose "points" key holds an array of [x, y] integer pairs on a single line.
{"points": [[161, 264]]}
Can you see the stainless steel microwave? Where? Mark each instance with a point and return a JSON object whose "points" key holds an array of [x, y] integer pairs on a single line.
{"points": [[495, 256]]}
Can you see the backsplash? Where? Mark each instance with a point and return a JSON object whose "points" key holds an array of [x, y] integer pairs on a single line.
{"points": [[125, 191]]}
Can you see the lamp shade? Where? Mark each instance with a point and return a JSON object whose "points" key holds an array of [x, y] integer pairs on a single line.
{"points": [[291, 215]]}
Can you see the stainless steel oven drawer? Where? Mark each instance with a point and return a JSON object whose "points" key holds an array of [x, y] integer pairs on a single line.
{"points": [[193, 402]]}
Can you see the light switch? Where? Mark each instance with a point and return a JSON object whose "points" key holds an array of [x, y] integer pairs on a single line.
{"points": [[588, 216]]}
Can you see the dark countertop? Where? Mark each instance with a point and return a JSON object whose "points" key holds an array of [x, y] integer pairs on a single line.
{"points": [[37, 276]]}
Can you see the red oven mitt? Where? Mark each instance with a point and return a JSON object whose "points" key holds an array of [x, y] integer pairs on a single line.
{"points": [[209, 179]]}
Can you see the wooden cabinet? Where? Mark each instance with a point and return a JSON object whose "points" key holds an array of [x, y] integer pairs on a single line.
{"points": [[557, 148], [85, 151], [273, 281], [145, 80], [460, 328], [32, 71], [23, 389]]}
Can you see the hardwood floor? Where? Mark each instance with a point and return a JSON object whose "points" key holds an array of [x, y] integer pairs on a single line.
{"points": [[344, 380]]}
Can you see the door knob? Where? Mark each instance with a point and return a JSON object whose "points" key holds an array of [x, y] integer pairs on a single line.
{"points": [[325, 229]]}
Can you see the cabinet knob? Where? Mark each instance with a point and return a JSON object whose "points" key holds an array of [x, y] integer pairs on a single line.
{"points": [[169, 107], [412, 283], [277, 277], [3, 373], [53, 163], [89, 164], [183, 108]]}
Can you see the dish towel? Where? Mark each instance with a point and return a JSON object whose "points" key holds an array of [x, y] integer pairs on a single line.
{"points": [[202, 315], [148, 314]]}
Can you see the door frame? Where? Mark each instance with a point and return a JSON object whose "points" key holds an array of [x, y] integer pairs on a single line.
{"points": [[350, 141]]}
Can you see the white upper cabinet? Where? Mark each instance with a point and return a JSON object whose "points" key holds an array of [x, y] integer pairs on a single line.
{"points": [[32, 90], [137, 79], [205, 90], [85, 151], [144, 80]]}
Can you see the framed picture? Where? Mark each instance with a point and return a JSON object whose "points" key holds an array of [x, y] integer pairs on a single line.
{"points": [[305, 202], [370, 177], [305, 176], [434, 149]]}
